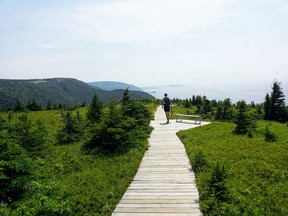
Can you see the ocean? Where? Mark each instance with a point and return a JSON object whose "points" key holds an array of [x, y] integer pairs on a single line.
{"points": [[250, 94]]}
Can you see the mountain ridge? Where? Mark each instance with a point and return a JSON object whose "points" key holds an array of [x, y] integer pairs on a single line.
{"points": [[67, 91], [114, 85]]}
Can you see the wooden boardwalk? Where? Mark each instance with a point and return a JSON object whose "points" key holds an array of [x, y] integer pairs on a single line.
{"points": [[165, 182]]}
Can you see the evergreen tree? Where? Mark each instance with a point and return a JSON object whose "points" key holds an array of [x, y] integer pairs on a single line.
{"points": [[48, 107], [244, 122], [227, 109], [259, 109], [121, 128], [83, 104], [194, 100], [108, 135], [269, 136], [2, 123], [274, 105], [33, 106], [135, 109], [60, 106], [277, 102], [217, 182], [9, 117], [126, 99], [15, 169], [224, 110], [267, 107], [206, 107], [214, 103], [198, 103], [18, 106], [95, 110], [219, 112], [127, 102], [28, 134], [70, 130], [187, 103]]}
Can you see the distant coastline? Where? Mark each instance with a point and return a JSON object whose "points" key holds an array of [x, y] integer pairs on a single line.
{"points": [[255, 93]]}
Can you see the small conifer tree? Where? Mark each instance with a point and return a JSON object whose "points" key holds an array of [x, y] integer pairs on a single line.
{"points": [[274, 105], [29, 134], [244, 123], [15, 169], [70, 130], [95, 110]]}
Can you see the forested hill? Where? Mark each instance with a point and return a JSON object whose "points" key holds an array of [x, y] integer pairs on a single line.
{"points": [[56, 91], [113, 85]]}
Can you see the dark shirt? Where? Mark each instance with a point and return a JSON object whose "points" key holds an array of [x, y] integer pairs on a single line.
{"points": [[166, 103]]}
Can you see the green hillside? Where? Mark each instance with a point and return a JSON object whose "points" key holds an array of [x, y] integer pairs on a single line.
{"points": [[66, 91], [113, 85]]}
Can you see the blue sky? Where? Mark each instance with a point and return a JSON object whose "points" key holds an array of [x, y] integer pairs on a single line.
{"points": [[146, 43]]}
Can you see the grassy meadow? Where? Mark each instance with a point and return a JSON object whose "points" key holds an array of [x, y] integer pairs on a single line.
{"points": [[69, 181], [235, 174], [238, 175]]}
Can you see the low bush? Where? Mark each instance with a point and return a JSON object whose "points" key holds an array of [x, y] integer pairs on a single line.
{"points": [[121, 128], [15, 169], [269, 136], [70, 130]]}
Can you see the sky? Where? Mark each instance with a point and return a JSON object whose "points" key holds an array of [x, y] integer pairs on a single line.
{"points": [[207, 43]]}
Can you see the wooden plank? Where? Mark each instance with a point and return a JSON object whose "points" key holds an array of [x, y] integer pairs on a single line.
{"points": [[157, 210], [159, 205], [164, 183], [159, 201], [162, 196], [156, 214], [138, 184]]}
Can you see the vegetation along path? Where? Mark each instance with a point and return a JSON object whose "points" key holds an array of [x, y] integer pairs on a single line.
{"points": [[165, 182]]}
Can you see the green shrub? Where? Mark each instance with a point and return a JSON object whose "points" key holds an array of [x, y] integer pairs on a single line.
{"points": [[65, 180], [16, 168], [29, 134], [94, 113], [50, 206], [269, 136], [199, 163], [245, 124], [122, 128], [118, 132], [217, 182], [70, 131]]}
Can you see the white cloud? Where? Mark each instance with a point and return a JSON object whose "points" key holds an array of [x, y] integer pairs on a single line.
{"points": [[133, 21], [284, 9], [141, 41]]}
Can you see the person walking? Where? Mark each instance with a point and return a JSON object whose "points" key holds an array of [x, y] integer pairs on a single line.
{"points": [[166, 105]]}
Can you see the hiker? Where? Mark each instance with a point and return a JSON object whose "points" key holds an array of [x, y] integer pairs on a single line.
{"points": [[166, 104]]}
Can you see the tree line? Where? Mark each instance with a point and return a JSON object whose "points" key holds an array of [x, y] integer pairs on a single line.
{"points": [[273, 108]]}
